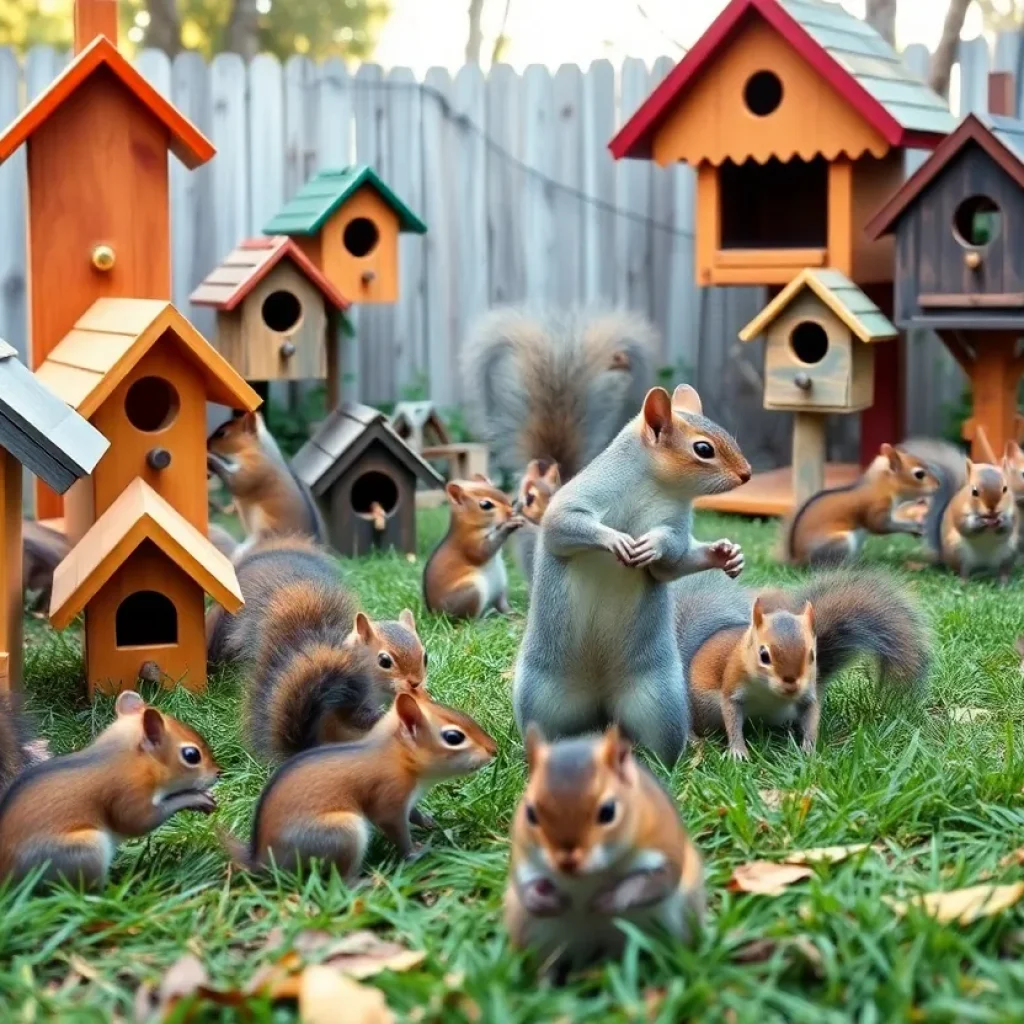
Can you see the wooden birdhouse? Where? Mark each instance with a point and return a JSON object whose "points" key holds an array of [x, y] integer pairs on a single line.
{"points": [[347, 222], [142, 375], [420, 425], [38, 431], [139, 575], [795, 115], [97, 141], [819, 356], [364, 476], [273, 308]]}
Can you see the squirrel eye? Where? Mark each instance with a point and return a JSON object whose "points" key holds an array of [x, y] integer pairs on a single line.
{"points": [[531, 814], [453, 737], [703, 450], [1005, 488], [529, 498], [811, 658], [606, 813], [766, 658], [974, 491], [919, 474], [486, 505], [192, 756], [384, 660], [424, 659]]}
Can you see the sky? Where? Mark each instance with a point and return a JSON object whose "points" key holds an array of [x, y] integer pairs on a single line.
{"points": [[422, 33]]}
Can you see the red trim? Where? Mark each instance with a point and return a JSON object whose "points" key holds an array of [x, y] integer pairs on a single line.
{"points": [[636, 136]]}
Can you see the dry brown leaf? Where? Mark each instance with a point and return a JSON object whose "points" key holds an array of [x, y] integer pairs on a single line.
{"points": [[796, 949], [963, 906], [363, 954], [325, 990], [772, 798], [184, 979], [824, 854], [767, 878], [968, 715]]}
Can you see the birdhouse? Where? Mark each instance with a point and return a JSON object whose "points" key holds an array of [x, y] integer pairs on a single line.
{"points": [[39, 431], [139, 575], [142, 374], [272, 308], [364, 476], [419, 424], [347, 222], [795, 115], [819, 333]]}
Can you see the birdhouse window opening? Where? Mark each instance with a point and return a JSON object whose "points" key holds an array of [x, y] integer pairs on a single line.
{"points": [[281, 311], [763, 93], [151, 404], [374, 488], [361, 237], [977, 221], [809, 341], [774, 205], [146, 619]]}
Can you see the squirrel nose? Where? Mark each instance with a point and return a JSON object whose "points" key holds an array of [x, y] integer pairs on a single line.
{"points": [[569, 860], [744, 475]]}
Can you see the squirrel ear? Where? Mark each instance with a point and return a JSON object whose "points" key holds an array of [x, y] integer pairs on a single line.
{"points": [[533, 743], [618, 752], [553, 476], [364, 628], [970, 467], [129, 703], [893, 455], [1013, 450], [454, 492], [532, 471], [686, 399], [410, 714], [807, 614], [758, 613], [153, 727], [658, 412], [249, 423], [482, 478], [406, 619]]}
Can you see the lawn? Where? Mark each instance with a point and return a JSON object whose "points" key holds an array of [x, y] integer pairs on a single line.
{"points": [[937, 790]]}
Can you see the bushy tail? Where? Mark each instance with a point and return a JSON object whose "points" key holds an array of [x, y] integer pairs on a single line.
{"points": [[558, 385], [949, 464], [238, 852]]}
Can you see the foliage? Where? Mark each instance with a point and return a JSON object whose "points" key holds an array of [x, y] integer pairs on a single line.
{"points": [[293, 426]]}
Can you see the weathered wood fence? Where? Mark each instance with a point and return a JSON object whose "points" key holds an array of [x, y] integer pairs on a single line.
{"points": [[522, 200]]}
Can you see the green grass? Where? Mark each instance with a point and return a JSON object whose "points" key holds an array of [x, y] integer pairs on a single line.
{"points": [[941, 798]]}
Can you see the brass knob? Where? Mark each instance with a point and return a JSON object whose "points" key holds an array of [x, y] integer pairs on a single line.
{"points": [[972, 259], [158, 458], [103, 257], [803, 382], [368, 276], [287, 350]]}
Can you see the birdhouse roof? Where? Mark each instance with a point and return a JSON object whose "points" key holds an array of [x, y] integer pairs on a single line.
{"points": [[839, 294], [243, 268], [139, 514], [187, 143], [111, 337], [40, 431], [1002, 138], [317, 200], [846, 53], [343, 437]]}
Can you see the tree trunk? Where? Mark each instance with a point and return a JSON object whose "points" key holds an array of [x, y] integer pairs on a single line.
{"points": [[475, 39], [164, 29], [945, 52], [242, 33], [881, 16]]}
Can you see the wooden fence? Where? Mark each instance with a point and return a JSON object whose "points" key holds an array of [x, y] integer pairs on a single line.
{"points": [[522, 199]]}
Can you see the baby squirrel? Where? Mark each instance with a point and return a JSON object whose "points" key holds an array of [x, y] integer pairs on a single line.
{"points": [[71, 812], [319, 670], [598, 646], [538, 486], [829, 527], [321, 803], [596, 838], [465, 576], [768, 656]]}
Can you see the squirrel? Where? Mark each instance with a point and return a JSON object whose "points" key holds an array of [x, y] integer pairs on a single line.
{"points": [[768, 656], [14, 742], [42, 551], [270, 500], [222, 540], [70, 813], [321, 803], [319, 669], [1013, 459], [536, 489], [596, 838], [557, 385], [465, 576], [828, 527], [598, 645]]}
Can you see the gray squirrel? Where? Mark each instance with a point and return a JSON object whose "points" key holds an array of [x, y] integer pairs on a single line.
{"points": [[599, 644]]}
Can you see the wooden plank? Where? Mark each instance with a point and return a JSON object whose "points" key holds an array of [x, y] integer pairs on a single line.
{"points": [[537, 211], [567, 267], [663, 215], [973, 61], [94, 18], [800, 258], [11, 614], [633, 193], [599, 224], [972, 300], [505, 186], [771, 493], [13, 271], [918, 60], [266, 140]]}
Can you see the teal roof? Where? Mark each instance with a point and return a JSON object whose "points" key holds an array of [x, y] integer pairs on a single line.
{"points": [[876, 66], [321, 196]]}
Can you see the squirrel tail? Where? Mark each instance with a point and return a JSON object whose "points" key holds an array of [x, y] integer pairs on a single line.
{"points": [[556, 386], [949, 464], [866, 613], [238, 852]]}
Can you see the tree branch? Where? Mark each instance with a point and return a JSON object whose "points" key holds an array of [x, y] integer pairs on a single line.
{"points": [[945, 52]]}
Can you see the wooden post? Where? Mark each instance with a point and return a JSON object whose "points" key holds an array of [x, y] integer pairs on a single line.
{"points": [[11, 642], [995, 375], [94, 18], [808, 455], [335, 341], [884, 421]]}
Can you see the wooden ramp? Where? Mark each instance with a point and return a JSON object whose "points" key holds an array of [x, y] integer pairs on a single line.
{"points": [[771, 493]]}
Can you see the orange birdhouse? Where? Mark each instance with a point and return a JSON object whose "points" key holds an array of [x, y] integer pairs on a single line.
{"points": [[142, 374]]}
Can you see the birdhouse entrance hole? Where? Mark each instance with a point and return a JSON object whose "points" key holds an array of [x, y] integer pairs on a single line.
{"points": [[281, 311], [763, 93], [374, 488], [361, 236], [809, 341], [146, 619], [774, 205], [151, 404], [977, 221]]}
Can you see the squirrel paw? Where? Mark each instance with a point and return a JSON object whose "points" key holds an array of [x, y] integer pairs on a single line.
{"points": [[727, 556], [621, 545], [738, 751], [808, 744], [646, 549], [415, 852], [202, 802], [541, 898]]}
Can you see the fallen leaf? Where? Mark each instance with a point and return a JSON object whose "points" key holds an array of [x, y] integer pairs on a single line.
{"points": [[824, 854], [772, 798], [363, 954], [962, 905], [1014, 859], [81, 968], [327, 996], [968, 715], [767, 878], [184, 979], [795, 950]]}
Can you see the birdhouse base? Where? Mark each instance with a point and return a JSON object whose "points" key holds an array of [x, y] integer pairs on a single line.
{"points": [[771, 493]]}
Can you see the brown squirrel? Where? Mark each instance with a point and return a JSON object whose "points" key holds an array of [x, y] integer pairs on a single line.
{"points": [[319, 669], [768, 656], [465, 576], [70, 813], [595, 839], [269, 498], [43, 550], [1013, 465], [320, 804], [538, 486]]}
